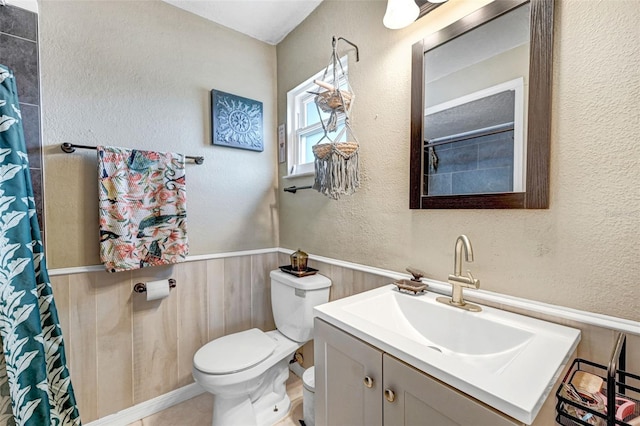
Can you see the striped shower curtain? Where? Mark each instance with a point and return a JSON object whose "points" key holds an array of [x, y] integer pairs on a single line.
{"points": [[35, 387]]}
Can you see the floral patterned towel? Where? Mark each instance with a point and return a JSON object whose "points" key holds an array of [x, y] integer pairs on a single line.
{"points": [[143, 217]]}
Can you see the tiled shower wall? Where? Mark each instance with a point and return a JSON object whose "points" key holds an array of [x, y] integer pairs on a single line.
{"points": [[475, 166], [19, 51]]}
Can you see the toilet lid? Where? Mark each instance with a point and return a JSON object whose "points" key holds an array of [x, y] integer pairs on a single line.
{"points": [[235, 352]]}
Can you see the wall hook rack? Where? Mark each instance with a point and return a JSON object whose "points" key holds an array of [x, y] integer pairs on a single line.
{"points": [[70, 148], [335, 41]]}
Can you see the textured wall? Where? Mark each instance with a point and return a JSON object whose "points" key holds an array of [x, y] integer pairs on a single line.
{"points": [[138, 74], [578, 253]]}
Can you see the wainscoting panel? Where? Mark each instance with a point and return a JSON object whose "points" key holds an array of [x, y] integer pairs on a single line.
{"points": [[596, 343], [237, 294], [155, 339], [344, 281], [192, 315], [114, 350], [215, 298], [261, 314], [83, 328], [123, 350]]}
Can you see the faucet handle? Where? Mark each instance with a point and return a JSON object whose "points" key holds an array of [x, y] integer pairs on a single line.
{"points": [[473, 281], [417, 273]]}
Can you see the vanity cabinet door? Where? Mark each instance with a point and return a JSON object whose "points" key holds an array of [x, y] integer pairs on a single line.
{"points": [[348, 379], [419, 399]]}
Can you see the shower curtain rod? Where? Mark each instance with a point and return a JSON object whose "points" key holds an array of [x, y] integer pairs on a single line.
{"points": [[70, 147], [472, 134]]}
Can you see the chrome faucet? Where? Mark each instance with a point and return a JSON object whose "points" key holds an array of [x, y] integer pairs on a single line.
{"points": [[457, 280]]}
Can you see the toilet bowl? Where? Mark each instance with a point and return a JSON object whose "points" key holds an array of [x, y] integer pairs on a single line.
{"points": [[246, 371], [225, 369]]}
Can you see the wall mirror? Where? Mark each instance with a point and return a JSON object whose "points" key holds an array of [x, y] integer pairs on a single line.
{"points": [[481, 110]]}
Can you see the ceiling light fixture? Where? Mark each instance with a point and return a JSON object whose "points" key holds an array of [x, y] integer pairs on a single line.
{"points": [[400, 13]]}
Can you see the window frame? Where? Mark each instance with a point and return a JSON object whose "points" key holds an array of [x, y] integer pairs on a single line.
{"points": [[297, 100]]}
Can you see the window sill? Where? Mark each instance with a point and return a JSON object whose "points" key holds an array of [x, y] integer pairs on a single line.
{"points": [[297, 175]]}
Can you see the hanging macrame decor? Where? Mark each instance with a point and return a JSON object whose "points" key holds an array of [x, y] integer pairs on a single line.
{"points": [[336, 153]]}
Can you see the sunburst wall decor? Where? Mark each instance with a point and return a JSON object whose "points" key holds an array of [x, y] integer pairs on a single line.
{"points": [[236, 121]]}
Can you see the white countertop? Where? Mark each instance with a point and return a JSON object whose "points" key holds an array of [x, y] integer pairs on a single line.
{"points": [[512, 368]]}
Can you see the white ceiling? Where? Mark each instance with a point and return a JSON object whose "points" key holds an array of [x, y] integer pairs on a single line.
{"points": [[266, 20]]}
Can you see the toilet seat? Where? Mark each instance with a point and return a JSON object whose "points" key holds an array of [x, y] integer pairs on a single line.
{"points": [[234, 352]]}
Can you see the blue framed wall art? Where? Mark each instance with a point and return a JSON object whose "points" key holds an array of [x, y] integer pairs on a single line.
{"points": [[236, 122]]}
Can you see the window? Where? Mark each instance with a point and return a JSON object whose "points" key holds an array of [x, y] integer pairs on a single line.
{"points": [[304, 128]]}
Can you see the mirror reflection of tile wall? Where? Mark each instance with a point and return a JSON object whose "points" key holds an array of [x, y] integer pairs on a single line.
{"points": [[481, 165], [19, 51]]}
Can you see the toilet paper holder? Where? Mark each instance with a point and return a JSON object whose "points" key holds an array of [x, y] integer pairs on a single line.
{"points": [[142, 287]]}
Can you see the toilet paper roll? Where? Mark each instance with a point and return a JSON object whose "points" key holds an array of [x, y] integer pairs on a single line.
{"points": [[157, 289]]}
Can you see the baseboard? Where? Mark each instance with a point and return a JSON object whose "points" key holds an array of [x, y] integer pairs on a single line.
{"points": [[147, 408]]}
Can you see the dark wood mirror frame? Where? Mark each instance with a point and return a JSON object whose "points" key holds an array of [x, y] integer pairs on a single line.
{"points": [[536, 195]]}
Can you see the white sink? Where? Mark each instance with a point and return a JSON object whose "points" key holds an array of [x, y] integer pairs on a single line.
{"points": [[507, 361], [489, 343]]}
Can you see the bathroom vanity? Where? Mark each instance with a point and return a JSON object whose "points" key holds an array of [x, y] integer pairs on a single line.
{"points": [[359, 384], [384, 357]]}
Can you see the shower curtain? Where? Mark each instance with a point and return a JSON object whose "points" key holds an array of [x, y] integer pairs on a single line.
{"points": [[34, 378]]}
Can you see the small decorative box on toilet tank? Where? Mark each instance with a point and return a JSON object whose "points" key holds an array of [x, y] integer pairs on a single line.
{"points": [[299, 260]]}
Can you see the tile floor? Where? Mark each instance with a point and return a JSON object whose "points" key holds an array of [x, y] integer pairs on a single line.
{"points": [[198, 411]]}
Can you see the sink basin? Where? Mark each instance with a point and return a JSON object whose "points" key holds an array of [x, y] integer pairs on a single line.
{"points": [[441, 327], [508, 361]]}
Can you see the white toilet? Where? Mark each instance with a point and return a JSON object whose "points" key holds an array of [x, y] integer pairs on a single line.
{"points": [[246, 371]]}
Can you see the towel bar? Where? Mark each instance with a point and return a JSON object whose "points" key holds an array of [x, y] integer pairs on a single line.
{"points": [[142, 287], [293, 189], [70, 147]]}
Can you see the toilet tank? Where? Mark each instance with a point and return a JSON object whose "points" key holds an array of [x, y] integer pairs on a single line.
{"points": [[292, 301]]}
